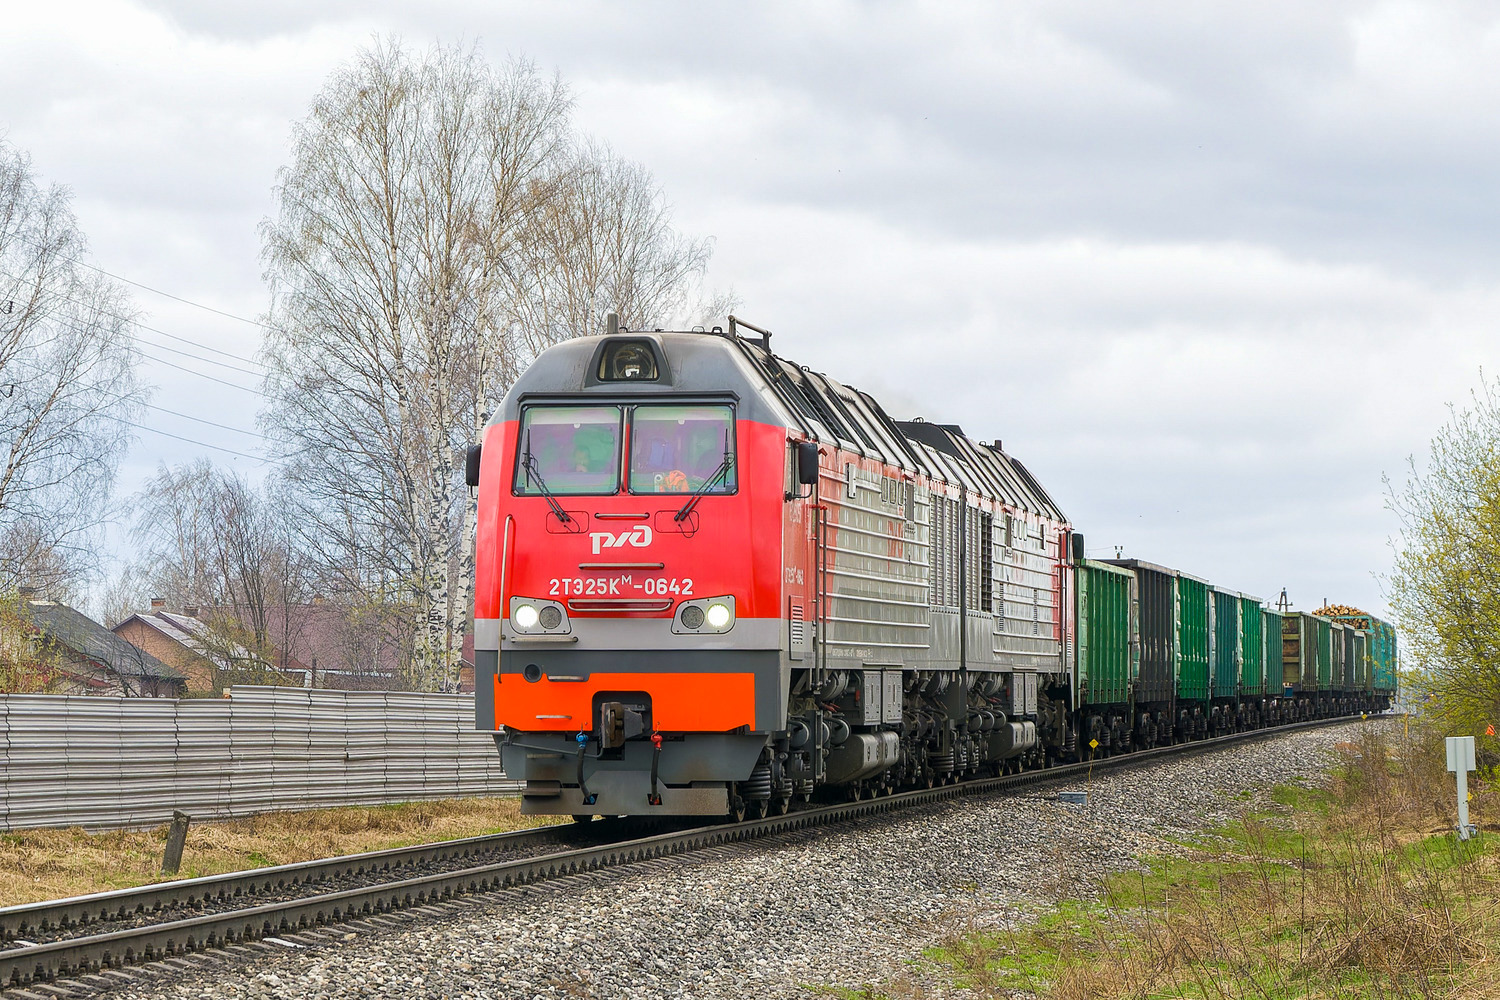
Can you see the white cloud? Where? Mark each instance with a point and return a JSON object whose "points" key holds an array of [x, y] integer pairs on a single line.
{"points": [[1208, 271]]}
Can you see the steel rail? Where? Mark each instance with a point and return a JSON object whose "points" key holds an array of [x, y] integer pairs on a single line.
{"points": [[48, 915], [30, 963]]}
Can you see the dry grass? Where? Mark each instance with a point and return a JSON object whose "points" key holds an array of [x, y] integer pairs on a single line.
{"points": [[50, 864], [1356, 890]]}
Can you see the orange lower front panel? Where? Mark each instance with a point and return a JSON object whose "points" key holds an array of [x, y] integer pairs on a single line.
{"points": [[680, 703]]}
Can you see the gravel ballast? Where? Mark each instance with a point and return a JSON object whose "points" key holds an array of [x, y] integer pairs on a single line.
{"points": [[841, 906]]}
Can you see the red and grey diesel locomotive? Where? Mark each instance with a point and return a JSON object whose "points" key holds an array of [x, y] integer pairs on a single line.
{"points": [[710, 581]]}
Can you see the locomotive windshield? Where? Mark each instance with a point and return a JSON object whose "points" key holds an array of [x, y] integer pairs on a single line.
{"points": [[575, 450], [569, 451], [682, 449]]}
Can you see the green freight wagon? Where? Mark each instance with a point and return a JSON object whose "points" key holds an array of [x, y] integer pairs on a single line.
{"points": [[1304, 652], [1325, 652], [1383, 658], [1108, 640], [1194, 620], [1226, 653], [1361, 641], [1381, 650], [1337, 645], [1350, 663], [1156, 619], [1252, 647], [1271, 625]]}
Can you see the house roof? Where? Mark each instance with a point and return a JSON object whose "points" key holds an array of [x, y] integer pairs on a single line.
{"points": [[321, 636], [189, 632], [80, 633]]}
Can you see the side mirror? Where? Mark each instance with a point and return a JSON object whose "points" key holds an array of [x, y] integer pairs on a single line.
{"points": [[471, 464], [807, 463]]}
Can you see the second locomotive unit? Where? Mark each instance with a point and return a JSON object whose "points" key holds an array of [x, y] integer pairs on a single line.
{"points": [[710, 581]]}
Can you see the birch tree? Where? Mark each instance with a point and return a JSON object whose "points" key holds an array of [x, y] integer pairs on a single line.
{"points": [[438, 225], [404, 187], [68, 384], [599, 239]]}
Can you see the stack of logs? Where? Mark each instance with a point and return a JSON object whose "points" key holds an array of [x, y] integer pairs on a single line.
{"points": [[1339, 611]]}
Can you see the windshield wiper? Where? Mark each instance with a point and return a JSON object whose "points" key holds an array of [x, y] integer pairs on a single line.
{"points": [[720, 473], [534, 476]]}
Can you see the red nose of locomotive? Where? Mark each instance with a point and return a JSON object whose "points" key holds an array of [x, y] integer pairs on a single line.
{"points": [[634, 623]]}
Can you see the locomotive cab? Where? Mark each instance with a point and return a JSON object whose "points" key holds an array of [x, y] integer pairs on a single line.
{"points": [[627, 628]]}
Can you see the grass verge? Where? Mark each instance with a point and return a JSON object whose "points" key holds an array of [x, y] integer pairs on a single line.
{"points": [[50, 864], [1356, 889]]}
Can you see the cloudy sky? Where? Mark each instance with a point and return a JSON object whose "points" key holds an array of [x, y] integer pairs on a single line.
{"points": [[1210, 272]]}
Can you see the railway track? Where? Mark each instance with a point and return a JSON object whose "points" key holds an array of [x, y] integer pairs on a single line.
{"points": [[87, 934]]}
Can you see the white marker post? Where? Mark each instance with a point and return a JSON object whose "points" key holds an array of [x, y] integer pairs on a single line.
{"points": [[1461, 762]]}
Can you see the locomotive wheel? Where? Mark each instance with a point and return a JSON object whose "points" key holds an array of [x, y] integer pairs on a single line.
{"points": [[758, 808], [779, 805], [736, 809]]}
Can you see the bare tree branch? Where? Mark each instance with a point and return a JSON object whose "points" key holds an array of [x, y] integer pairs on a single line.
{"points": [[68, 385]]}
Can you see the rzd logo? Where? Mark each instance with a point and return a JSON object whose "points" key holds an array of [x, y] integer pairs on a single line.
{"points": [[639, 537]]}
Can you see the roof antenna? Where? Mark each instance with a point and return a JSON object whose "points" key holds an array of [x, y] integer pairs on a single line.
{"points": [[611, 324]]}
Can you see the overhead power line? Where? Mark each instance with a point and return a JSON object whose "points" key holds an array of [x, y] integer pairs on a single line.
{"points": [[159, 409], [162, 409], [144, 326], [211, 378], [207, 361], [227, 354], [156, 291], [201, 444], [200, 420]]}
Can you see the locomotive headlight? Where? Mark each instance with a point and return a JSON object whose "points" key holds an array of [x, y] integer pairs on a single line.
{"points": [[706, 615], [537, 617]]}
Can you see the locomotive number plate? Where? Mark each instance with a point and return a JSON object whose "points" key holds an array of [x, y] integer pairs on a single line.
{"points": [[624, 585]]}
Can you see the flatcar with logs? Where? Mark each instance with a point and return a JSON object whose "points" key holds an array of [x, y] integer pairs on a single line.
{"points": [[710, 581]]}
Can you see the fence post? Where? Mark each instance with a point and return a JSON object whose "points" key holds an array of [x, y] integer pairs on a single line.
{"points": [[171, 860]]}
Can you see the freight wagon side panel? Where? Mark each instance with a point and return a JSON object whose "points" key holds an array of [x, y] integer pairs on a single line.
{"points": [[1337, 645], [1297, 658], [1361, 660], [1252, 648], [1270, 626], [1105, 637], [1157, 595], [1349, 681], [1386, 659], [1324, 649], [1193, 639], [1227, 654]]}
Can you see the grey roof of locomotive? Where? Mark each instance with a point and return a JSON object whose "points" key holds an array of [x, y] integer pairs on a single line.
{"points": [[771, 389]]}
